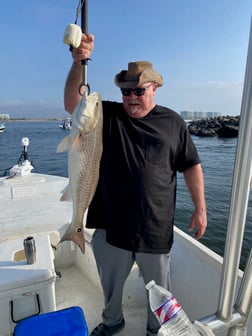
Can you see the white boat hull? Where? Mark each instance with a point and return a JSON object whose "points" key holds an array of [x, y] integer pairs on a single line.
{"points": [[30, 205]]}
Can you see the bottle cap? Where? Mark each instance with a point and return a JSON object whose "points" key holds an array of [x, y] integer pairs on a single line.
{"points": [[150, 284]]}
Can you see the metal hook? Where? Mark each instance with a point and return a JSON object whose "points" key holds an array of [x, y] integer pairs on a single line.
{"points": [[87, 91]]}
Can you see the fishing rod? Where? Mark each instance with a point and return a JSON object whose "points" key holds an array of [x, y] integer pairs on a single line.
{"points": [[72, 37], [84, 28]]}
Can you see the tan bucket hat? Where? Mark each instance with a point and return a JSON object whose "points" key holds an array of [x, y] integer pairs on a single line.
{"points": [[137, 74]]}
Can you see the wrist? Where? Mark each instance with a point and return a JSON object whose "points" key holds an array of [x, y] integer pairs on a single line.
{"points": [[76, 64], [200, 206]]}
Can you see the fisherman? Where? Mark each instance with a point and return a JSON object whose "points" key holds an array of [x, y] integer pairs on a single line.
{"points": [[144, 146]]}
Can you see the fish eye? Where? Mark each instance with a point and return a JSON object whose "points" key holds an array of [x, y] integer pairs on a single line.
{"points": [[79, 230]]}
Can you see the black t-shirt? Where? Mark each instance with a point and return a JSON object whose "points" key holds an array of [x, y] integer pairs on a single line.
{"points": [[136, 193]]}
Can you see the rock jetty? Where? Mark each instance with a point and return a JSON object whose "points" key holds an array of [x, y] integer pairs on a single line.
{"points": [[225, 127]]}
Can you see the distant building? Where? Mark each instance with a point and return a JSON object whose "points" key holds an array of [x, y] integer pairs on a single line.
{"points": [[4, 116], [191, 115]]}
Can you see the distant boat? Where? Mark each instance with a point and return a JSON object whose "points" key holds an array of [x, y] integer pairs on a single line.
{"points": [[2, 128], [66, 124]]}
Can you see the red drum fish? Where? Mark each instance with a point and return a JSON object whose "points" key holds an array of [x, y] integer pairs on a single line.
{"points": [[84, 145]]}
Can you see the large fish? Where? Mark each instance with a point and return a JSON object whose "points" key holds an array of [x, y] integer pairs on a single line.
{"points": [[84, 145]]}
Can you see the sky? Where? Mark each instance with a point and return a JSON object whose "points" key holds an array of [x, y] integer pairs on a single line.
{"points": [[198, 46]]}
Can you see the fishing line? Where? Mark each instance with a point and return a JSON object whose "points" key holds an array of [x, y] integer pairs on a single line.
{"points": [[79, 9]]}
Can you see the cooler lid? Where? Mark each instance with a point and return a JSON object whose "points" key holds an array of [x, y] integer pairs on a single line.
{"points": [[14, 270]]}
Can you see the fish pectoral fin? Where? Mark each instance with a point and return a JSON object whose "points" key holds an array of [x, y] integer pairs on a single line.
{"points": [[63, 145], [67, 195], [76, 141]]}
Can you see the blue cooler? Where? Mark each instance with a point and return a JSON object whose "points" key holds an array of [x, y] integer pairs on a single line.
{"points": [[67, 322]]}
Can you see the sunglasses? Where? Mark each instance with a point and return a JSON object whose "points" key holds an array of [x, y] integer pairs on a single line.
{"points": [[137, 92]]}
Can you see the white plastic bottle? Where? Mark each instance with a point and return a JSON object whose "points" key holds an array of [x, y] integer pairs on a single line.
{"points": [[169, 313]]}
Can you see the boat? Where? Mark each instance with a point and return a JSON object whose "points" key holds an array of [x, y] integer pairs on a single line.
{"points": [[212, 290], [2, 128], [66, 124]]}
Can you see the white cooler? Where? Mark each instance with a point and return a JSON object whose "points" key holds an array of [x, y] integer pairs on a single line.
{"points": [[25, 290]]}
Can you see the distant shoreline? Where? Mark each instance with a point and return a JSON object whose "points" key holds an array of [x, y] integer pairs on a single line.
{"points": [[31, 119]]}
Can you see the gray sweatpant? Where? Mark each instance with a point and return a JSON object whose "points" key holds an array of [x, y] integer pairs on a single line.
{"points": [[114, 265]]}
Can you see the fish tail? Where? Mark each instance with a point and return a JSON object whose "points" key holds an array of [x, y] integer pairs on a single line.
{"points": [[76, 237]]}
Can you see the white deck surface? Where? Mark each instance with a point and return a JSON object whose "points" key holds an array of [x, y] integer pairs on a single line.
{"points": [[84, 294]]}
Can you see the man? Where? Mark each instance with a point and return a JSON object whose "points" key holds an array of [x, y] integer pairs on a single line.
{"points": [[144, 146]]}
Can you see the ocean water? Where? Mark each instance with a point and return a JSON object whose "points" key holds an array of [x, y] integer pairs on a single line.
{"points": [[218, 159], [217, 156]]}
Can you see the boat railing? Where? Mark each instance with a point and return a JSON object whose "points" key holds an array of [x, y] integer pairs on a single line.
{"points": [[233, 315]]}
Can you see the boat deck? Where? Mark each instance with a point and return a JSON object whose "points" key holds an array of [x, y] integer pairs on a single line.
{"points": [[85, 294]]}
